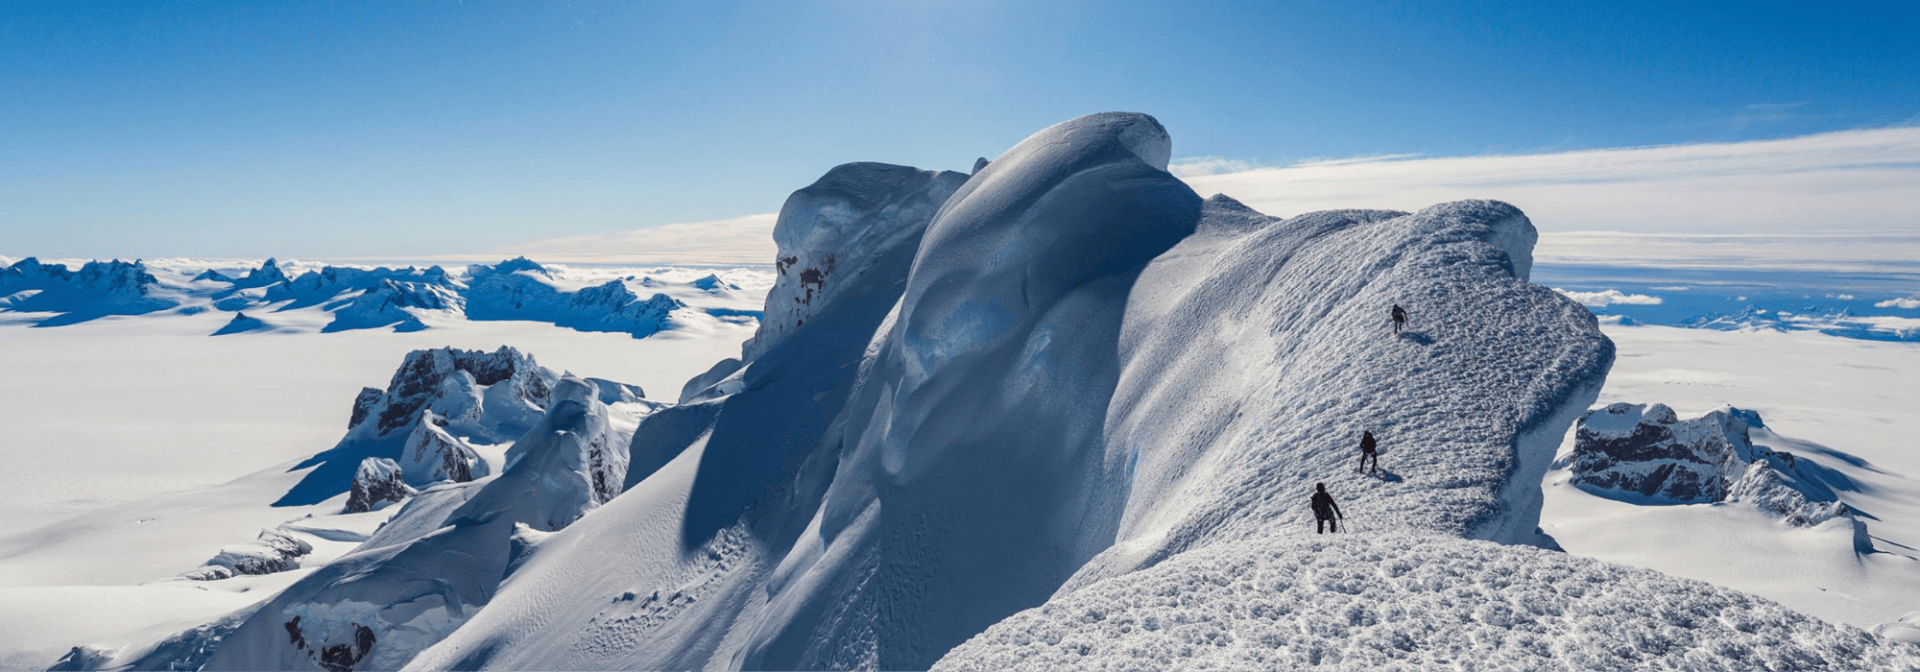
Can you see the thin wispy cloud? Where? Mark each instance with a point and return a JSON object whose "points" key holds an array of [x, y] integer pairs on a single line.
{"points": [[739, 240], [1194, 166], [1845, 181], [1670, 197]]}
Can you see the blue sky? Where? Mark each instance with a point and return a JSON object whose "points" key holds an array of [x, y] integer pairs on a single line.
{"points": [[337, 129]]}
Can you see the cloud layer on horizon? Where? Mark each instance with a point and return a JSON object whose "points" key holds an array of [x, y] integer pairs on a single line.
{"points": [[739, 240], [1861, 180], [1855, 181]]}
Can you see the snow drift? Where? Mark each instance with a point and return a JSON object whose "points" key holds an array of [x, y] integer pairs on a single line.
{"points": [[1084, 370]]}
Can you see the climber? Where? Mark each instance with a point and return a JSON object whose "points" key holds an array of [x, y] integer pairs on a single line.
{"points": [[1367, 452], [1324, 510], [1399, 318]]}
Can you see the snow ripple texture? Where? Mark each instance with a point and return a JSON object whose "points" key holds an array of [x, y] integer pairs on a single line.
{"points": [[1392, 602]]}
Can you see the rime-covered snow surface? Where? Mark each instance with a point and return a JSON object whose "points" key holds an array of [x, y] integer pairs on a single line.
{"points": [[1393, 601]]}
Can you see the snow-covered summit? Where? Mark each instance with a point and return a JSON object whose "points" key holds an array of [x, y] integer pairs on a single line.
{"points": [[268, 273], [1085, 370]]}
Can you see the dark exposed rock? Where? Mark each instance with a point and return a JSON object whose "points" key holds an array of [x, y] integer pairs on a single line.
{"points": [[274, 551], [414, 384], [1647, 452], [363, 405], [336, 657], [377, 481], [83, 658], [432, 455], [268, 273]]}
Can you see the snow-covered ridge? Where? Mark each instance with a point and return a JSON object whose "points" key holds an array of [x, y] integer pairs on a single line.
{"points": [[277, 296], [1085, 371]]}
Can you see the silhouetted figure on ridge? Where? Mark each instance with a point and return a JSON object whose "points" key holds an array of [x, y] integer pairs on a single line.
{"points": [[1368, 452], [1324, 510]]}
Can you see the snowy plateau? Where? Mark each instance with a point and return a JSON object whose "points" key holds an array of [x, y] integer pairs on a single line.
{"points": [[1058, 412]]}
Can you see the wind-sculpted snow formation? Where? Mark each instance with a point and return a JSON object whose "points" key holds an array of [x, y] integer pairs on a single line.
{"points": [[442, 555], [1062, 400], [1646, 453], [1093, 394]]}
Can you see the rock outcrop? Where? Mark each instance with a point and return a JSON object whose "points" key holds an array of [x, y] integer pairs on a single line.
{"points": [[383, 603], [274, 551], [376, 483], [432, 455], [462, 397], [1646, 453]]}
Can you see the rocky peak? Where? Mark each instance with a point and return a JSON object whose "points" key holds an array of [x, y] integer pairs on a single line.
{"points": [[514, 265], [268, 273], [115, 277], [432, 455], [377, 482], [445, 379], [1646, 452]]}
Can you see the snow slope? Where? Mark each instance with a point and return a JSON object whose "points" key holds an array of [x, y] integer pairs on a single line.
{"points": [[1843, 408], [1089, 371], [392, 597], [1392, 601]]}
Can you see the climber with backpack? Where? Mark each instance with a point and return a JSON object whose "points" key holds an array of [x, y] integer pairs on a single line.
{"points": [[1324, 510], [1399, 318], [1368, 452]]}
